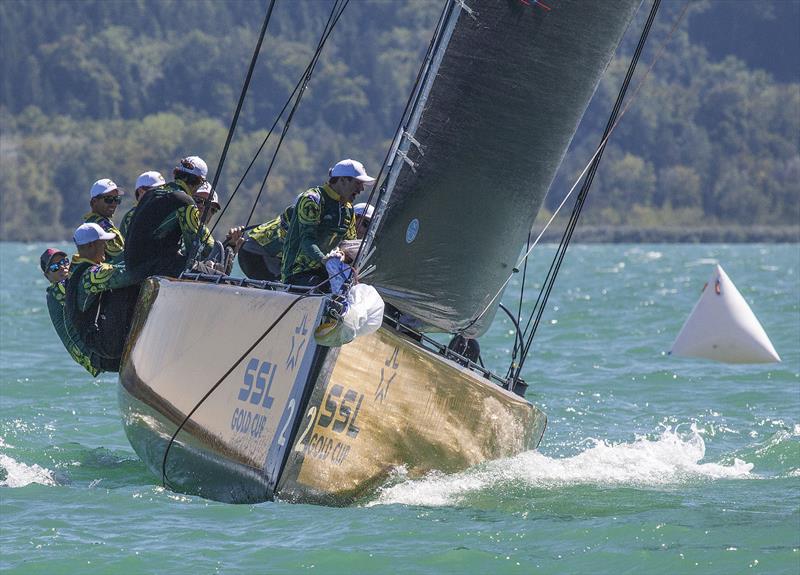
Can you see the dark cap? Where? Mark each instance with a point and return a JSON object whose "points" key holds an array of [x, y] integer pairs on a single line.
{"points": [[47, 255]]}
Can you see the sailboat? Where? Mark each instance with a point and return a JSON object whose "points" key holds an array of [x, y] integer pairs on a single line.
{"points": [[497, 103]]}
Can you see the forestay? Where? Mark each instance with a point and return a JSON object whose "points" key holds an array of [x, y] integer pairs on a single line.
{"points": [[508, 85]]}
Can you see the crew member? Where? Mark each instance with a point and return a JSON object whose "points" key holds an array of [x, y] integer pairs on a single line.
{"points": [[104, 197], [144, 183], [166, 222], [260, 256], [363, 213], [55, 265], [322, 218], [223, 253], [100, 297]]}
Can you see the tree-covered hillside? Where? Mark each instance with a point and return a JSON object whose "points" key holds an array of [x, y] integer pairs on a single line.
{"points": [[111, 88]]}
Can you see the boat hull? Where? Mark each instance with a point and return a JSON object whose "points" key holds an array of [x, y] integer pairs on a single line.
{"points": [[185, 337], [389, 404], [337, 422]]}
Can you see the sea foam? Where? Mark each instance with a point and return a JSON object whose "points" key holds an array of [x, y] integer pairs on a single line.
{"points": [[672, 458], [19, 475]]}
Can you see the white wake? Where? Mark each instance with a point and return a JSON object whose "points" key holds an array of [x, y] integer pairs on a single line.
{"points": [[19, 475], [670, 459]]}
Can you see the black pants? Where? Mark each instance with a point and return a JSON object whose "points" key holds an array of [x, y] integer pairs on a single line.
{"points": [[256, 267], [311, 279], [113, 324]]}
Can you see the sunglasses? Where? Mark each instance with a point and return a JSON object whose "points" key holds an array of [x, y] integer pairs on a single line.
{"points": [[201, 203], [60, 263], [112, 199]]}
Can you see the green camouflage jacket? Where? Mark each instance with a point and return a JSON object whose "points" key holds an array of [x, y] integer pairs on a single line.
{"points": [[319, 223], [115, 249], [76, 348]]}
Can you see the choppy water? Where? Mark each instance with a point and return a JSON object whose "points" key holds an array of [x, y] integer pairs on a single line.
{"points": [[650, 464]]}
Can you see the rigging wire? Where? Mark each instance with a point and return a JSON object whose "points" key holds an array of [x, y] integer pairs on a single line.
{"points": [[598, 150], [544, 293], [195, 248], [306, 80], [327, 31], [164, 479], [518, 340]]}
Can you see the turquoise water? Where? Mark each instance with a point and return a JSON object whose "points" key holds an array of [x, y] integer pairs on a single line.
{"points": [[650, 464]]}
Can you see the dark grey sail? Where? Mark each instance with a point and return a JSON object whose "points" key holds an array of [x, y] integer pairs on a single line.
{"points": [[507, 87]]}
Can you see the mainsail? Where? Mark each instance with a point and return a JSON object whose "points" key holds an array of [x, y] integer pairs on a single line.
{"points": [[506, 88]]}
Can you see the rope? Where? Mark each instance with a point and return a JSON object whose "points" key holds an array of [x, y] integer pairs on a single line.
{"points": [[263, 143], [164, 479], [598, 151], [203, 217], [306, 79], [613, 120]]}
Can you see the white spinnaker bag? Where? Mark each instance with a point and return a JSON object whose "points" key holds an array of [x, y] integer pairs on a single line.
{"points": [[722, 327], [364, 315]]}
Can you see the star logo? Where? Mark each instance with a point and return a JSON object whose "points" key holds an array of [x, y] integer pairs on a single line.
{"points": [[383, 386], [297, 344]]}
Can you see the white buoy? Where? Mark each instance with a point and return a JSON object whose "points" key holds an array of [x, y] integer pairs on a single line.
{"points": [[722, 327]]}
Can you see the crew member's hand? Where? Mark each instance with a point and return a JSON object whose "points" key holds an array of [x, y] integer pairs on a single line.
{"points": [[334, 253], [235, 238]]}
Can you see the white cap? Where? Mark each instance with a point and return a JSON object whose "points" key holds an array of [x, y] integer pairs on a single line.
{"points": [[193, 165], [204, 189], [149, 180], [364, 210], [103, 186], [351, 169], [88, 233]]}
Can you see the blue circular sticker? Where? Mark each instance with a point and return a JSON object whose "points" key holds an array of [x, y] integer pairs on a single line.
{"points": [[411, 230]]}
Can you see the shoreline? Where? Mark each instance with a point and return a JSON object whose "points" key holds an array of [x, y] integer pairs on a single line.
{"points": [[639, 235], [675, 235]]}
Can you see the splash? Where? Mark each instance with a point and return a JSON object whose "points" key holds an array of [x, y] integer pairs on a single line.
{"points": [[670, 459], [19, 475]]}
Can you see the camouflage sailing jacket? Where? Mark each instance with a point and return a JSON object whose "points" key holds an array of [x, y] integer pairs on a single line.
{"points": [[97, 278], [268, 238], [56, 293], [126, 221], [161, 232], [114, 248], [319, 223]]}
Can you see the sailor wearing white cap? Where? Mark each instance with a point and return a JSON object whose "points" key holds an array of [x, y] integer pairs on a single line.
{"points": [[144, 183], [363, 213], [323, 217], [160, 236], [97, 318], [104, 197], [223, 253]]}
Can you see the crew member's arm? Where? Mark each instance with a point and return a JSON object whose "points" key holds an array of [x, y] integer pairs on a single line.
{"points": [[104, 277], [189, 221]]}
